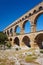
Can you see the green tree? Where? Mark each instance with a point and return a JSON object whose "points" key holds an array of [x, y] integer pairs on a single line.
{"points": [[3, 39]]}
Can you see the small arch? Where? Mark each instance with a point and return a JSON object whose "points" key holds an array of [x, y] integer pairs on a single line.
{"points": [[16, 41], [39, 40], [18, 21], [26, 16], [30, 14], [34, 11], [26, 41], [22, 18], [40, 7]]}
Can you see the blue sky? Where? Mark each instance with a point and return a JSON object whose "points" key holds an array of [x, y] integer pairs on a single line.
{"points": [[10, 10]]}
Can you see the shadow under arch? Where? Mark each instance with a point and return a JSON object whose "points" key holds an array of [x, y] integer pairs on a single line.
{"points": [[27, 26], [16, 41], [39, 40], [26, 41]]}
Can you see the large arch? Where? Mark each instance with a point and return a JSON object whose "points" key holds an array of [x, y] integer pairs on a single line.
{"points": [[11, 31], [5, 32], [39, 40], [16, 41], [26, 41], [39, 22], [27, 26], [17, 29]]}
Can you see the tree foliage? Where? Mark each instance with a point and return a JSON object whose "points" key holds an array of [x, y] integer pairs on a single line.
{"points": [[3, 38]]}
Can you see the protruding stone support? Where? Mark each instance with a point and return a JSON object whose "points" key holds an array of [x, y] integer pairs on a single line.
{"points": [[12, 42], [32, 42], [9, 33], [34, 45], [22, 31], [33, 28], [22, 44], [14, 33]]}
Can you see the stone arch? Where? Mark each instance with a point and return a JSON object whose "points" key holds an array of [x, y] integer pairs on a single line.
{"points": [[26, 16], [26, 41], [7, 32], [16, 41], [40, 7], [11, 30], [36, 20], [34, 11], [27, 26], [10, 39], [30, 14], [39, 40], [17, 27], [23, 18]]}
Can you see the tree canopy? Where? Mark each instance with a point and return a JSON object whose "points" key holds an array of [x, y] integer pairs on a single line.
{"points": [[4, 40]]}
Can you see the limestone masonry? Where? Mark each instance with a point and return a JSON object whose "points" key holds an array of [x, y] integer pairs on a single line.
{"points": [[32, 39]]}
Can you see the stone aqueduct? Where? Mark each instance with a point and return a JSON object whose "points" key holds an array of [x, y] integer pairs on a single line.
{"points": [[32, 39]]}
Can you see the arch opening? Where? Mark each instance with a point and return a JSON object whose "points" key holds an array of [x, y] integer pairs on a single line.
{"points": [[7, 32], [39, 40], [17, 29], [39, 22], [16, 41], [34, 11], [27, 27], [40, 7], [26, 41], [11, 32], [10, 39]]}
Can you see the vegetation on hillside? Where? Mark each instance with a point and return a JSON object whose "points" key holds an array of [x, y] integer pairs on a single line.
{"points": [[3, 39]]}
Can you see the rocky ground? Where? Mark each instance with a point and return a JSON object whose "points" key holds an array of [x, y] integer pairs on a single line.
{"points": [[21, 57]]}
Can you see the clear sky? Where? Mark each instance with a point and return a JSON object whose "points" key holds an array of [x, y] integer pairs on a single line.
{"points": [[10, 10]]}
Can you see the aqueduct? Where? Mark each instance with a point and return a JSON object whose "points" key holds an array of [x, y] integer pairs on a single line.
{"points": [[32, 39]]}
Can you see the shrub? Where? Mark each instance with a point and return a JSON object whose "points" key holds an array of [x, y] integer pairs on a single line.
{"points": [[17, 49], [41, 51]]}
